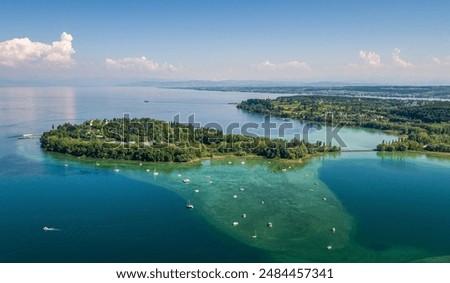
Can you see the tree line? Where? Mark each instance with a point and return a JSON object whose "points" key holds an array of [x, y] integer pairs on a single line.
{"points": [[421, 125], [146, 139]]}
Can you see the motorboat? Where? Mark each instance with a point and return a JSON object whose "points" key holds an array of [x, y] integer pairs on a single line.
{"points": [[45, 228]]}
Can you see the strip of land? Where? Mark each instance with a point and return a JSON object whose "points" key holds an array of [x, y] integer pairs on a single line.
{"points": [[421, 125], [147, 139]]}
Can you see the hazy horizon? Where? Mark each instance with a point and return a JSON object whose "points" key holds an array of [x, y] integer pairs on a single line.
{"points": [[110, 82]]}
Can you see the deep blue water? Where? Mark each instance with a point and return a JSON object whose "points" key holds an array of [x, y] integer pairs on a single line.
{"points": [[103, 217], [396, 201]]}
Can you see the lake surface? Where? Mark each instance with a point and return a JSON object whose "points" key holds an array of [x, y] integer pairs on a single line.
{"points": [[384, 207]]}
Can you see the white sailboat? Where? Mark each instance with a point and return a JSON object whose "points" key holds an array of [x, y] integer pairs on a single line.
{"points": [[189, 205]]}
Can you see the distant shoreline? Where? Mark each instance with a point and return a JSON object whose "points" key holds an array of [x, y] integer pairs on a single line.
{"points": [[426, 93]]}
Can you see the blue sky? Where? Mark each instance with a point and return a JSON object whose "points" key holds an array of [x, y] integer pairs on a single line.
{"points": [[303, 41]]}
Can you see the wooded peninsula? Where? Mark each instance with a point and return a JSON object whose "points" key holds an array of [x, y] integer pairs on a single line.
{"points": [[146, 139], [422, 125]]}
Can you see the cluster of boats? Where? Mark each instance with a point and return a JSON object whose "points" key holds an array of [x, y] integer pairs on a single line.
{"points": [[190, 206]]}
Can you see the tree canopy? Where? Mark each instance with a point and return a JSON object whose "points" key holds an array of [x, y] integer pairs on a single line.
{"points": [[147, 139], [420, 124]]}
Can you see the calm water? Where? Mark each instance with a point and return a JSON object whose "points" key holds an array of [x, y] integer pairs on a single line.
{"points": [[384, 207]]}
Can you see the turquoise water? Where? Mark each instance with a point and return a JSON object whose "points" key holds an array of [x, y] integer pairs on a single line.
{"points": [[383, 207]]}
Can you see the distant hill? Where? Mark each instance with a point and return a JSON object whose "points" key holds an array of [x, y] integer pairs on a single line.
{"points": [[200, 84], [406, 92]]}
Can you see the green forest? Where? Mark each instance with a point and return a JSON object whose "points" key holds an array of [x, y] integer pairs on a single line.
{"points": [[146, 139], [422, 125]]}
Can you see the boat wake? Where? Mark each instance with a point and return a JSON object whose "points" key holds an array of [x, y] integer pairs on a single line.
{"points": [[50, 229]]}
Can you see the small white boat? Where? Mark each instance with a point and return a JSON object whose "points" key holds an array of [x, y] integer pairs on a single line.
{"points": [[325, 199], [329, 247], [229, 162], [235, 223], [269, 224], [189, 206], [155, 173], [333, 230], [262, 202], [66, 165], [283, 170], [235, 196], [243, 162], [97, 164], [186, 181], [147, 170], [117, 170], [241, 189], [26, 136], [29, 136], [244, 215], [254, 236], [196, 191], [45, 228]]}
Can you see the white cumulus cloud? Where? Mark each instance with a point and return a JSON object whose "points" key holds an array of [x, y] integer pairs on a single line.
{"points": [[436, 61], [441, 62], [370, 58], [267, 65], [399, 61], [138, 64], [19, 52]]}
